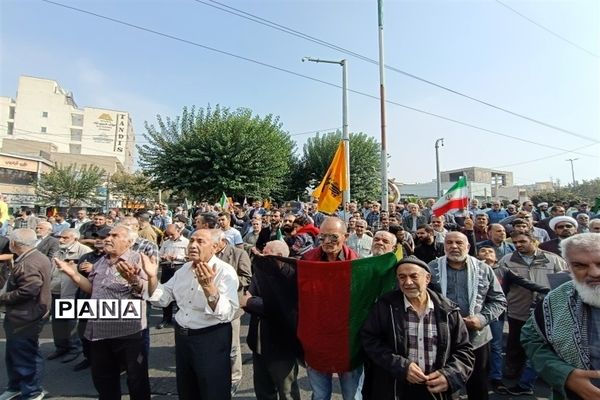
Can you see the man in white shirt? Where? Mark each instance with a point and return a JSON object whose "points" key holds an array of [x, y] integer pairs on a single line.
{"points": [[172, 254], [359, 241], [205, 290]]}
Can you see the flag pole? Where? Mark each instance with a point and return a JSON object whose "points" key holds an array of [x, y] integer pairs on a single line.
{"points": [[384, 172]]}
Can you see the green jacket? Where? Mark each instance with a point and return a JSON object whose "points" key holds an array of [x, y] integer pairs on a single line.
{"points": [[554, 339], [546, 362]]}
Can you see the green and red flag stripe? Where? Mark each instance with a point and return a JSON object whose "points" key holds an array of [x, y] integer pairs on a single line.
{"points": [[334, 299], [454, 199]]}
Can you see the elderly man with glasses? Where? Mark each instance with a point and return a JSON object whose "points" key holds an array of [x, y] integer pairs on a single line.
{"points": [[332, 247]]}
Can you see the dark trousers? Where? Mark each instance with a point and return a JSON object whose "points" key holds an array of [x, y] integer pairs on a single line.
{"points": [[515, 355], [167, 272], [24, 361], [477, 385], [85, 344], [273, 378], [107, 357], [64, 331], [203, 364]]}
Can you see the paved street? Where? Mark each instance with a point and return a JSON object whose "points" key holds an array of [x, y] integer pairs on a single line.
{"points": [[62, 383]]}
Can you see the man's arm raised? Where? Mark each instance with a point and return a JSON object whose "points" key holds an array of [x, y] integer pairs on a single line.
{"points": [[71, 271]]}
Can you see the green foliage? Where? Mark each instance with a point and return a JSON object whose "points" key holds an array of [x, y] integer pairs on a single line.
{"points": [[70, 184], [365, 164], [135, 187], [206, 152], [586, 191]]}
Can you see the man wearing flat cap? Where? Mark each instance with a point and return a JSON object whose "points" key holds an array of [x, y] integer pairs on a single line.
{"points": [[416, 341], [563, 227]]}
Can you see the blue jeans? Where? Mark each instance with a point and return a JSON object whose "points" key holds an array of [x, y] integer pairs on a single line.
{"points": [[24, 365], [496, 361], [528, 376], [351, 383]]}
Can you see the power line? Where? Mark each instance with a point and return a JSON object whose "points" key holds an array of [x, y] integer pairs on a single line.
{"points": [[282, 28], [264, 64], [564, 39], [541, 158]]}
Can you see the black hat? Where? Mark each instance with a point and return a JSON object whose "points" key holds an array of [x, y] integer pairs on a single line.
{"points": [[413, 260], [101, 233]]}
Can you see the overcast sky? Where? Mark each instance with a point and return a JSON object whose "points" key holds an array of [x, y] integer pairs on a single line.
{"points": [[543, 64]]}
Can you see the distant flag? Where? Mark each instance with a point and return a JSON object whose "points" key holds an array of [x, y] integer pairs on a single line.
{"points": [[330, 190], [267, 204], [223, 202], [455, 198]]}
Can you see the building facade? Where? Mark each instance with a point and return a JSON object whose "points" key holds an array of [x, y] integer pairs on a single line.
{"points": [[19, 176], [45, 112]]}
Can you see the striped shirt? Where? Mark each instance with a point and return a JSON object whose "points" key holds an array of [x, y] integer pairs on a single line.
{"points": [[421, 335], [107, 283]]}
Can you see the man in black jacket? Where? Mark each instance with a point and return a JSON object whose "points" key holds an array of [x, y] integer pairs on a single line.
{"points": [[427, 249], [416, 341], [272, 304]]}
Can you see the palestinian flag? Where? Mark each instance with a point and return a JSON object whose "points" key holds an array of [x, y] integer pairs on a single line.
{"points": [[334, 299], [455, 198]]}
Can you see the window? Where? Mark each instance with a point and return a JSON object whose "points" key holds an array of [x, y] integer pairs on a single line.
{"points": [[10, 127], [44, 114], [16, 177], [77, 119], [75, 148], [44, 130], [76, 134]]}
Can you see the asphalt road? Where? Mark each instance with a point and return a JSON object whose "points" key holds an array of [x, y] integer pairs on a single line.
{"points": [[61, 382]]}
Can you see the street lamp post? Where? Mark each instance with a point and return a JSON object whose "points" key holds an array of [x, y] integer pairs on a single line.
{"points": [[345, 135], [572, 169], [437, 166]]}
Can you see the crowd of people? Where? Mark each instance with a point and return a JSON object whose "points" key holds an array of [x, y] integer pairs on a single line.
{"points": [[461, 277]]}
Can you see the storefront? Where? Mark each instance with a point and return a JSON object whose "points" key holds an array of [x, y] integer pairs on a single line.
{"points": [[18, 178]]}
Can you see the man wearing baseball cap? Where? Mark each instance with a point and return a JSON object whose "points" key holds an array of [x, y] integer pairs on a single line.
{"points": [[429, 354], [564, 227]]}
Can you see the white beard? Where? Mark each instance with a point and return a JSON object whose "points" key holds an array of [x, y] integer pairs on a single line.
{"points": [[589, 294]]}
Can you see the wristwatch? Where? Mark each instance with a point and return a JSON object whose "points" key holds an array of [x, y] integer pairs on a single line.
{"points": [[213, 299]]}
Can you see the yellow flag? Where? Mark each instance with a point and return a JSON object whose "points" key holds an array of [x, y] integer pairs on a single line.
{"points": [[329, 191]]}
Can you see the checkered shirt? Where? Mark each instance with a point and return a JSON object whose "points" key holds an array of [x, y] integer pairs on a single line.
{"points": [[422, 336]]}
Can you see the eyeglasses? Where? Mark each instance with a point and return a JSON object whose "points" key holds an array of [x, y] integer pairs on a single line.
{"points": [[332, 237], [564, 226]]}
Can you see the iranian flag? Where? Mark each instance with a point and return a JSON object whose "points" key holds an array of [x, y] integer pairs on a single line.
{"points": [[334, 299], [455, 198]]}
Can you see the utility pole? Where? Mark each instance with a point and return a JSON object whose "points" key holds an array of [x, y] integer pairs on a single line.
{"points": [[437, 166], [572, 169], [345, 134], [384, 168], [107, 192]]}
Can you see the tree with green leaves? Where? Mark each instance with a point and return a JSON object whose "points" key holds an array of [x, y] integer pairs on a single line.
{"points": [[588, 191], [205, 152], [365, 164], [131, 187], [70, 184]]}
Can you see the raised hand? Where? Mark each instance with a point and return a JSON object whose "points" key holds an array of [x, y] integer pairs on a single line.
{"points": [[149, 266], [68, 267]]}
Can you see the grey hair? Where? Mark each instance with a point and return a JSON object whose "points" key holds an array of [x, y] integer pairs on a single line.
{"points": [[391, 236], [217, 235], [280, 247], [582, 241], [46, 224], [72, 231], [23, 237], [132, 235]]}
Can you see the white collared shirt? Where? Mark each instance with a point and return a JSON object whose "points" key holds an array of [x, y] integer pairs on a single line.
{"points": [[194, 311]]}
